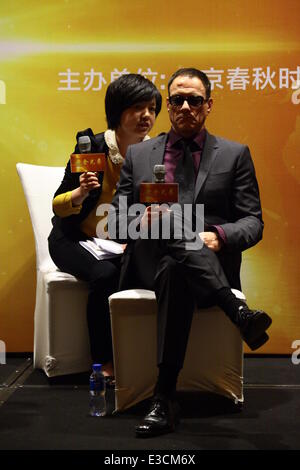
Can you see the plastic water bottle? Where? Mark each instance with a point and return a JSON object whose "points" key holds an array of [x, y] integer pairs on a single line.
{"points": [[97, 392]]}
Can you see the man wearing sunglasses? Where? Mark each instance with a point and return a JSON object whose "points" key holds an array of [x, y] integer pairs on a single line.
{"points": [[220, 175]]}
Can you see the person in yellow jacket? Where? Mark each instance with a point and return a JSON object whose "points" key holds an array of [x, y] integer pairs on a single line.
{"points": [[132, 103]]}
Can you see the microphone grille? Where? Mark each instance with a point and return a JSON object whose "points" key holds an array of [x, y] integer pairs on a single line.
{"points": [[159, 172], [84, 144]]}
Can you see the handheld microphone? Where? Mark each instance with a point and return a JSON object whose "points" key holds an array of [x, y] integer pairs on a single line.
{"points": [[159, 172], [84, 144], [159, 191], [85, 160]]}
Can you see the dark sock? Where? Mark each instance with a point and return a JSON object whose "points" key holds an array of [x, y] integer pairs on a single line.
{"points": [[229, 303], [166, 382]]}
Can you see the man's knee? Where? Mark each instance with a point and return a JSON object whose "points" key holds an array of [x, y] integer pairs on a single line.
{"points": [[168, 266]]}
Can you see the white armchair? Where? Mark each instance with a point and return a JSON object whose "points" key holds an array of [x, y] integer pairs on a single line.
{"points": [[61, 340]]}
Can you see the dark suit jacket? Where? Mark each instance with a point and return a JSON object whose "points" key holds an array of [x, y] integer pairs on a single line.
{"points": [[226, 184], [69, 226]]}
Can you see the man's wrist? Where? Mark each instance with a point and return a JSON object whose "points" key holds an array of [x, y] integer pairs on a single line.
{"points": [[217, 229]]}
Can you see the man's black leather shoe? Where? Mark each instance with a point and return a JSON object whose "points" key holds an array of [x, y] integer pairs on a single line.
{"points": [[161, 418], [253, 325]]}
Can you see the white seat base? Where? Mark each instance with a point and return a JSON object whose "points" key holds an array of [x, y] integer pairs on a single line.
{"points": [[214, 358]]}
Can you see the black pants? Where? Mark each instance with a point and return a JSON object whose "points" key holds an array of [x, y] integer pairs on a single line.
{"points": [[102, 278], [181, 280]]}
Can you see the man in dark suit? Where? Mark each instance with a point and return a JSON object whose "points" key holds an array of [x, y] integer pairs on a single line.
{"points": [[220, 175]]}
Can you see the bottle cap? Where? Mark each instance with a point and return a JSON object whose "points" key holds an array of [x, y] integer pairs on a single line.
{"points": [[97, 367]]}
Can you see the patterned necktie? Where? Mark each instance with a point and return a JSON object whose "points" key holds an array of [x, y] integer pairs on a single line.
{"points": [[185, 174]]}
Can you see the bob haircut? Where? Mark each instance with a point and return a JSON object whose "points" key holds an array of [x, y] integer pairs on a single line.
{"points": [[191, 72], [125, 92]]}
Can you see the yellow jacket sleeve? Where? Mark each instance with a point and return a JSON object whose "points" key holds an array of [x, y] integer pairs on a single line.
{"points": [[62, 205]]}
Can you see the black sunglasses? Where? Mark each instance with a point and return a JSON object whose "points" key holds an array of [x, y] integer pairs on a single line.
{"points": [[193, 100]]}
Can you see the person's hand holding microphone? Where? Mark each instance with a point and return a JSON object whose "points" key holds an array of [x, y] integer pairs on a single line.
{"points": [[88, 180]]}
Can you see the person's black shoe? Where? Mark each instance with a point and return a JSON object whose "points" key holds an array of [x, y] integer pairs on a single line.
{"points": [[253, 325], [161, 418]]}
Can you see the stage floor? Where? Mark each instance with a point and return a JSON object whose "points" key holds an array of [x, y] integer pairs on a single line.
{"points": [[36, 413]]}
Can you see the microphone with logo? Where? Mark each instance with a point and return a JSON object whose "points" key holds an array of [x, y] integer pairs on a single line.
{"points": [[158, 191], [85, 160], [158, 194]]}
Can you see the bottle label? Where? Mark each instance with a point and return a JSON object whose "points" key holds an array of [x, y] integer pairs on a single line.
{"points": [[97, 385]]}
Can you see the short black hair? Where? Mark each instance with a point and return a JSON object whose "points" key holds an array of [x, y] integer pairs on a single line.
{"points": [[191, 72], [126, 91]]}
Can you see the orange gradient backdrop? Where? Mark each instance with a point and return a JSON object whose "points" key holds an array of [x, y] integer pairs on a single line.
{"points": [[253, 47]]}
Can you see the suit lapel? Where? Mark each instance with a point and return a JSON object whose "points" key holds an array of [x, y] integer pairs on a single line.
{"points": [[207, 159], [158, 151]]}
